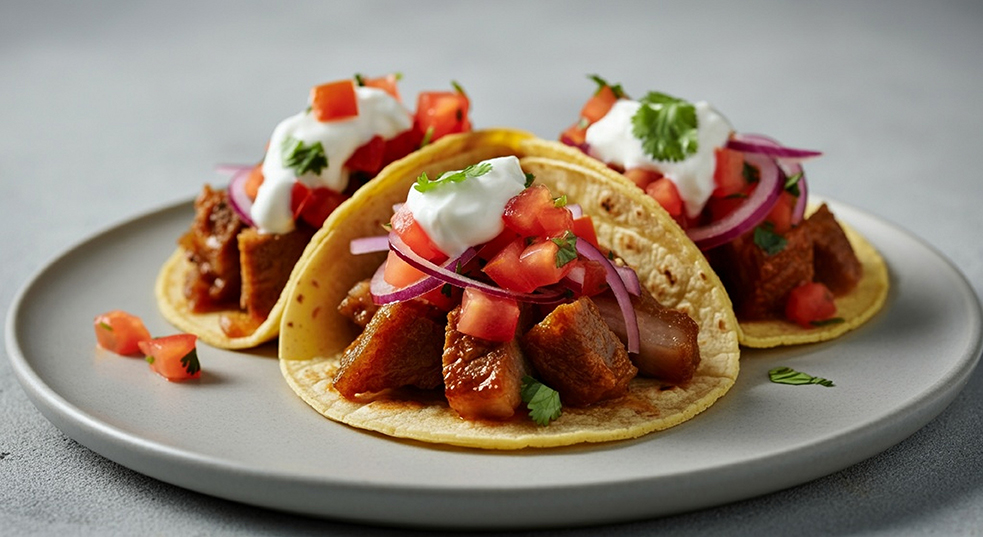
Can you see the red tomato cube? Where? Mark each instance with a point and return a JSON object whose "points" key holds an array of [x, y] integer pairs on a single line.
{"points": [[442, 113], [334, 101], [120, 332], [728, 175], [664, 191], [387, 83], [173, 357], [369, 157], [533, 213], [488, 317], [415, 236], [808, 303]]}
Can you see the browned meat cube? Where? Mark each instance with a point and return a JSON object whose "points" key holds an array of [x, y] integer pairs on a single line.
{"points": [[576, 354], [759, 283], [267, 260], [836, 264], [211, 248], [401, 346], [482, 379], [358, 305], [668, 349]]}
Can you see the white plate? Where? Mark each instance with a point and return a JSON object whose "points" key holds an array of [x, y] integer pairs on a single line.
{"points": [[240, 433]]}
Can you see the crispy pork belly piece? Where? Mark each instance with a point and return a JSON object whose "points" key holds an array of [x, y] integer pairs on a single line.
{"points": [[759, 283], [482, 379], [401, 346], [267, 260], [576, 354], [211, 248], [836, 264], [358, 305], [668, 349]]}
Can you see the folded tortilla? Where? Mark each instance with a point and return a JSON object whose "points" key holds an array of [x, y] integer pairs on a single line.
{"points": [[313, 334]]}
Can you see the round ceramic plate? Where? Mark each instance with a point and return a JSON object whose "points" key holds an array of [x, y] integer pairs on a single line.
{"points": [[240, 433]]}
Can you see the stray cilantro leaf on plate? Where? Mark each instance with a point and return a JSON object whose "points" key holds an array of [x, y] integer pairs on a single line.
{"points": [[543, 402], [787, 375]]}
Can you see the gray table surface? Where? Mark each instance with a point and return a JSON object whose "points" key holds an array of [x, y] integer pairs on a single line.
{"points": [[110, 109]]}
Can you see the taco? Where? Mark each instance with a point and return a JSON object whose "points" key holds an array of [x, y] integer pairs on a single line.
{"points": [[224, 281], [794, 272], [507, 319]]}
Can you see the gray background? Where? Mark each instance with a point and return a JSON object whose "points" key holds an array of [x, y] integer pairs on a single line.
{"points": [[110, 109]]}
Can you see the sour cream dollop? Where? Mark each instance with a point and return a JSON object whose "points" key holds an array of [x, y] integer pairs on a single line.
{"points": [[379, 114], [458, 215], [610, 139]]}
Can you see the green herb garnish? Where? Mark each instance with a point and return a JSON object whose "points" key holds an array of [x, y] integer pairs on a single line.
{"points": [[529, 179], [424, 184], [560, 201], [618, 91], [105, 326], [458, 88], [792, 184], [542, 401], [568, 249], [787, 375], [769, 241], [666, 126], [427, 137], [303, 158], [751, 174], [827, 322], [190, 362]]}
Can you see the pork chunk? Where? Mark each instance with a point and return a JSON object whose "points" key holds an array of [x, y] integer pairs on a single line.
{"points": [[836, 264], [358, 305], [210, 246], [576, 354]]}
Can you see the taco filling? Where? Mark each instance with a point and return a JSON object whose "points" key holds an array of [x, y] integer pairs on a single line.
{"points": [[495, 313], [234, 262], [742, 199]]}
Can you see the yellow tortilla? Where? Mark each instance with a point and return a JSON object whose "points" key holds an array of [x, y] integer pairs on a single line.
{"points": [[855, 308], [313, 334]]}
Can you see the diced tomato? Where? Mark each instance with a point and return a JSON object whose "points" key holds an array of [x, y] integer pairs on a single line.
{"points": [[780, 216], [313, 205], [718, 208], [664, 191], [387, 83], [595, 277], [728, 176], [583, 228], [532, 213], [504, 268], [399, 273], [488, 317], [808, 303], [120, 332], [445, 297], [524, 268], [642, 177], [575, 135], [599, 104], [445, 112], [491, 248], [368, 158], [401, 145], [334, 101], [415, 236], [253, 182], [173, 357]]}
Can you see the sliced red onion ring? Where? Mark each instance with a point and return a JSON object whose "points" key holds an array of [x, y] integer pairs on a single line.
{"points": [[384, 293], [621, 292], [758, 144], [447, 275], [790, 167], [238, 198], [748, 214], [368, 245], [630, 279], [576, 210]]}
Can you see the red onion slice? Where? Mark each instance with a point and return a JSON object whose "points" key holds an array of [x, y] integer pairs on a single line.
{"points": [[758, 144], [368, 245], [790, 167], [621, 292], [748, 214], [384, 293], [630, 279], [447, 275], [238, 198]]}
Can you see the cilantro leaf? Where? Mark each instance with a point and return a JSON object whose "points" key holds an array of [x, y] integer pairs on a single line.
{"points": [[787, 375], [666, 126], [827, 322], [424, 184], [618, 91], [542, 401], [750, 173], [529, 179], [303, 158], [568, 249], [769, 241], [792, 184], [190, 362], [560, 201], [105, 326]]}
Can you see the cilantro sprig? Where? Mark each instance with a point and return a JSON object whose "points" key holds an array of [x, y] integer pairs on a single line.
{"points": [[191, 363], [568, 249], [618, 91], [666, 126], [787, 375], [425, 184], [542, 401], [303, 158], [769, 241]]}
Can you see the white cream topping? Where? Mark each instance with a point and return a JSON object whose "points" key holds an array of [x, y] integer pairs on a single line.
{"points": [[458, 215], [611, 140], [379, 114]]}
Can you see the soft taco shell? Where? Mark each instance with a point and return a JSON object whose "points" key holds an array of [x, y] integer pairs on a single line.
{"points": [[313, 334]]}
